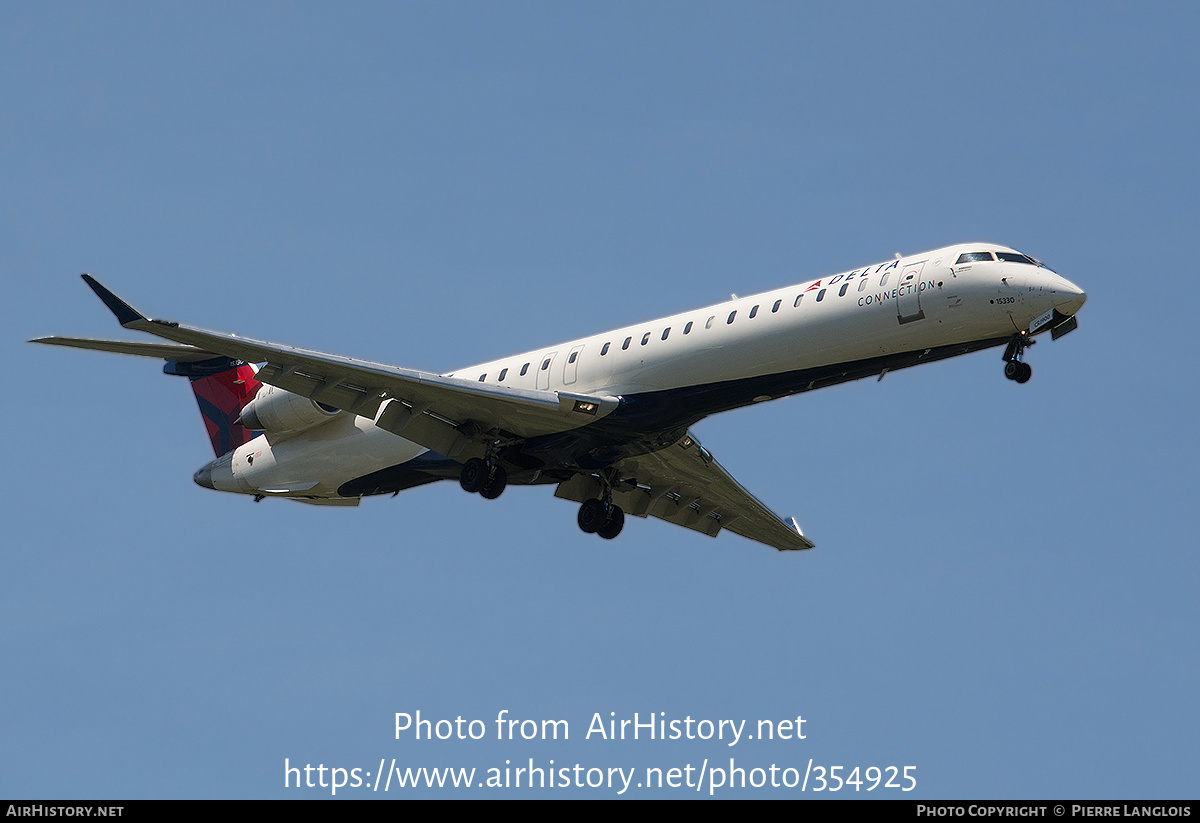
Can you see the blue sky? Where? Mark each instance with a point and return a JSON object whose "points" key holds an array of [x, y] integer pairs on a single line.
{"points": [[1003, 590]]}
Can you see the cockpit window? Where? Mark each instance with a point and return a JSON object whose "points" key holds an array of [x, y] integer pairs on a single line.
{"points": [[1040, 264], [1014, 257], [974, 257]]}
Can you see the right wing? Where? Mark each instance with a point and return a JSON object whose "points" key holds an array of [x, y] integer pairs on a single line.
{"points": [[683, 484]]}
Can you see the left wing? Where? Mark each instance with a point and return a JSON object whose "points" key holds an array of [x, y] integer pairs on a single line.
{"points": [[683, 484], [449, 415]]}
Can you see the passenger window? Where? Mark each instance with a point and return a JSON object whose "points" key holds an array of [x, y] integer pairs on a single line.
{"points": [[625, 345], [753, 312], [820, 295], [842, 290], [775, 308], [571, 358], [708, 325], [688, 328], [666, 331], [503, 374], [524, 369], [732, 315], [645, 338], [862, 284], [546, 364], [799, 297], [883, 280], [604, 350]]}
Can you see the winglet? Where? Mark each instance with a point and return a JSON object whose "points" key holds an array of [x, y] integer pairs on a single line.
{"points": [[125, 313], [792, 522]]}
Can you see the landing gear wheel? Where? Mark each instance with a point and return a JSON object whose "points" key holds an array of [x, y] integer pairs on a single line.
{"points": [[612, 527], [474, 475], [1014, 367], [494, 485], [591, 515]]}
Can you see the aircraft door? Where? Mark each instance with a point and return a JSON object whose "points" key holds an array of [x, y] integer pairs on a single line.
{"points": [[571, 369], [543, 375], [908, 294]]}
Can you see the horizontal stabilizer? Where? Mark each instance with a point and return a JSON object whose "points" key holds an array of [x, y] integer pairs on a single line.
{"points": [[178, 354]]}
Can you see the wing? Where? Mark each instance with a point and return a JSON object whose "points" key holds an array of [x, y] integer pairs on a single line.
{"points": [[681, 484], [685, 485], [449, 415]]}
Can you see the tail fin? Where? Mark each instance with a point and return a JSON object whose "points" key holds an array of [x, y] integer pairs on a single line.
{"points": [[223, 386]]}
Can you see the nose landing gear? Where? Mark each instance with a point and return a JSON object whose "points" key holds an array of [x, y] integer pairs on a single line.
{"points": [[1015, 370], [1014, 367]]}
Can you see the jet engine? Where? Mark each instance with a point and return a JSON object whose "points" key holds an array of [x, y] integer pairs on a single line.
{"points": [[277, 411]]}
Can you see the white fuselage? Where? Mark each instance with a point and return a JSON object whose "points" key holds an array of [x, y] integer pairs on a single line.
{"points": [[922, 302]]}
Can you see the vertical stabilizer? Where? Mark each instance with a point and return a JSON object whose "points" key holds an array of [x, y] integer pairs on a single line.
{"points": [[223, 386]]}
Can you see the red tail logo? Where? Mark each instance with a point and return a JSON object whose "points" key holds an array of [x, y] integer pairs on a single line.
{"points": [[221, 398]]}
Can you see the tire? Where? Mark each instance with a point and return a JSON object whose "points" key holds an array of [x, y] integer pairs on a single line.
{"points": [[493, 488], [591, 515], [474, 474], [616, 521]]}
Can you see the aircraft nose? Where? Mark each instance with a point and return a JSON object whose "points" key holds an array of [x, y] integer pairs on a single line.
{"points": [[203, 477], [1070, 298]]}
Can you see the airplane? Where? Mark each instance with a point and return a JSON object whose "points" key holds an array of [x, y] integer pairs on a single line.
{"points": [[606, 418]]}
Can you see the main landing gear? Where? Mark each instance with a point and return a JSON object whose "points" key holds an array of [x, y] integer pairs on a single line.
{"points": [[1014, 367], [599, 517], [484, 477]]}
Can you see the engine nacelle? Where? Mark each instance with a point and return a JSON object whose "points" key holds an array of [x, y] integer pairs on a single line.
{"points": [[278, 411]]}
